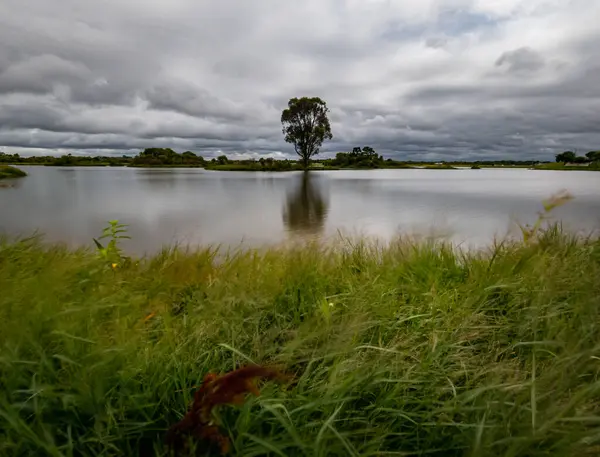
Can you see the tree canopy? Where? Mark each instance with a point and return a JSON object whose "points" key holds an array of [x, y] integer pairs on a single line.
{"points": [[567, 156], [166, 156], [359, 158], [593, 156], [306, 126]]}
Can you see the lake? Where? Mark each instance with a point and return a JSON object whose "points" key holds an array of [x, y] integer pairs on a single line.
{"points": [[195, 206]]}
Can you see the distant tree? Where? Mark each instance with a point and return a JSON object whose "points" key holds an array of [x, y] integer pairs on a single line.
{"points": [[157, 156], [593, 156], [158, 152], [342, 159], [567, 156], [306, 126], [359, 158], [188, 157], [64, 160], [222, 160], [369, 151]]}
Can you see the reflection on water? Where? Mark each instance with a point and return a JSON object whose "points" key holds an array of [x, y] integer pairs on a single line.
{"points": [[10, 183], [306, 206], [195, 206], [158, 178]]}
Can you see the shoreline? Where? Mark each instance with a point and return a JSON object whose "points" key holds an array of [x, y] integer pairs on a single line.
{"points": [[241, 168]]}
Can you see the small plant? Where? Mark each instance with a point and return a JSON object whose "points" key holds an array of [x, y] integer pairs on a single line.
{"points": [[530, 232], [112, 252]]}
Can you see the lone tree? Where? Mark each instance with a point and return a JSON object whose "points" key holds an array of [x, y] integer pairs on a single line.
{"points": [[306, 126]]}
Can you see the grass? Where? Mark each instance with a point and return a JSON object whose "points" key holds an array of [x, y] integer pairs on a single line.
{"points": [[439, 167], [594, 166], [411, 349], [399, 166], [6, 171]]}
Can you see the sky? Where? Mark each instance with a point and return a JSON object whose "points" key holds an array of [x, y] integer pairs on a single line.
{"points": [[415, 79]]}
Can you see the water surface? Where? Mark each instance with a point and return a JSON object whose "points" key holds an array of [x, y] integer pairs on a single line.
{"points": [[195, 206]]}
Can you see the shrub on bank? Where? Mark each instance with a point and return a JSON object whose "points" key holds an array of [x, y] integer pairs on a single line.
{"points": [[6, 171]]}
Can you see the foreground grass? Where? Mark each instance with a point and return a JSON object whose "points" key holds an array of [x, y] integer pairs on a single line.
{"points": [[6, 171], [411, 349]]}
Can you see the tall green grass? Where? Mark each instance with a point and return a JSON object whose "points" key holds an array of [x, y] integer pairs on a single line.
{"points": [[408, 349]]}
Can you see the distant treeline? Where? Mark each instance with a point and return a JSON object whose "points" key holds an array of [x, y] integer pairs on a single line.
{"points": [[65, 160], [359, 158], [164, 157]]}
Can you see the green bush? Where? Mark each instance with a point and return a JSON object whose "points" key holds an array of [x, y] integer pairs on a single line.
{"points": [[6, 171]]}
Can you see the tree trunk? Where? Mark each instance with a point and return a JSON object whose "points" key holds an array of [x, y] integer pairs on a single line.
{"points": [[305, 161]]}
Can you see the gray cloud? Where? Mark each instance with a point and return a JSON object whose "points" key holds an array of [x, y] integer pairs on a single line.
{"points": [[42, 74], [436, 42], [415, 79], [520, 60]]}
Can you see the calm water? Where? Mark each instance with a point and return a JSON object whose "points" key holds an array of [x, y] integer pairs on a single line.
{"points": [[192, 206]]}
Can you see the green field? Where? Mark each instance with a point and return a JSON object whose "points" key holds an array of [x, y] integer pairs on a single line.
{"points": [[407, 349], [595, 166]]}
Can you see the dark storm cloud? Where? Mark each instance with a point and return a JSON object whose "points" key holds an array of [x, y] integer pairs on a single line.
{"points": [[428, 78], [41, 74], [195, 101], [114, 142]]}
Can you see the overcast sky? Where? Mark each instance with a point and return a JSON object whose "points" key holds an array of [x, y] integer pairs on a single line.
{"points": [[420, 79]]}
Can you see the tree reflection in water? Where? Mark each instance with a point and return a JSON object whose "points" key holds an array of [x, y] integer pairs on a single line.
{"points": [[306, 206]]}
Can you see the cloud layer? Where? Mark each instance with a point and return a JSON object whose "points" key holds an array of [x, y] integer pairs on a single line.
{"points": [[419, 79]]}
